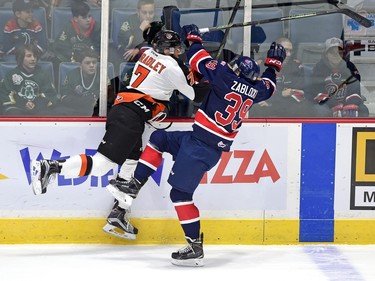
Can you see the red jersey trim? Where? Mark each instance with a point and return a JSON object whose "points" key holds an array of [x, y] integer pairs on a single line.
{"points": [[198, 57], [209, 125], [12, 26]]}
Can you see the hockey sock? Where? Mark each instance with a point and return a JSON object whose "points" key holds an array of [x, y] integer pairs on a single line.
{"points": [[187, 212], [188, 215], [78, 165], [148, 163]]}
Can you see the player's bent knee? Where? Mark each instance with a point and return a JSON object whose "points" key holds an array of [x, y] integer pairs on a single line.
{"points": [[180, 196], [158, 138], [101, 165]]}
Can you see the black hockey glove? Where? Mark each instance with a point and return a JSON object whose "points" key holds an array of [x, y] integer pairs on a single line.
{"points": [[275, 56], [190, 32]]}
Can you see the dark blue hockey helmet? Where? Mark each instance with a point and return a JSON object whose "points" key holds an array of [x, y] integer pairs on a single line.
{"points": [[247, 67]]}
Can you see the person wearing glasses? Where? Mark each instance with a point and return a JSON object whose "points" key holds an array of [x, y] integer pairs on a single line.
{"points": [[290, 98]]}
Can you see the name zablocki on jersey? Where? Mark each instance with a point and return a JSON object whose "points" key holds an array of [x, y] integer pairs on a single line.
{"points": [[244, 89]]}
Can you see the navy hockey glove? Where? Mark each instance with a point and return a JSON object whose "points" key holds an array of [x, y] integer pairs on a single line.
{"points": [[275, 56], [191, 32]]}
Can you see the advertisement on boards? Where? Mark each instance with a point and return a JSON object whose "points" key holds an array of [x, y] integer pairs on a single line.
{"points": [[252, 176]]}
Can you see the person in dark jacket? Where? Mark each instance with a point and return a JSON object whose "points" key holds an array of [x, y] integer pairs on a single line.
{"points": [[328, 88]]}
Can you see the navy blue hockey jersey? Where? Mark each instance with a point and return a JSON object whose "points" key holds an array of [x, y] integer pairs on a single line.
{"points": [[221, 113]]}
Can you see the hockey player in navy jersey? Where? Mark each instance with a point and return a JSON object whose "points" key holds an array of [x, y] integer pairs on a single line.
{"points": [[157, 73], [235, 88]]}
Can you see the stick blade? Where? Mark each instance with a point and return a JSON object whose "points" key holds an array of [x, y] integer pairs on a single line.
{"points": [[357, 17]]}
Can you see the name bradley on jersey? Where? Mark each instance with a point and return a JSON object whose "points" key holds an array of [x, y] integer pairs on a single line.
{"points": [[152, 63], [244, 89]]}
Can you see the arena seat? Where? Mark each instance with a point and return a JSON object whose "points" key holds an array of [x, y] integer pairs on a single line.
{"points": [[65, 67], [118, 17], [38, 13], [308, 35], [47, 66], [124, 79], [202, 18], [62, 15], [272, 30]]}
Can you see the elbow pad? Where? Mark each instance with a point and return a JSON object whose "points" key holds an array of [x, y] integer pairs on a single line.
{"points": [[200, 91]]}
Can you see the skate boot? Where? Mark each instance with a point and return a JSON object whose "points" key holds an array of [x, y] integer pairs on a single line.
{"points": [[118, 224], [190, 255], [124, 191], [42, 173]]}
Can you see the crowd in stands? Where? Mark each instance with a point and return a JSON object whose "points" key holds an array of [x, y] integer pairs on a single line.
{"points": [[26, 40]]}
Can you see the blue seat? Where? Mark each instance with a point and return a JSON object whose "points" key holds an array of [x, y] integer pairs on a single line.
{"points": [[272, 30], [38, 13], [124, 79], [308, 69], [121, 4], [47, 66], [66, 67], [310, 44], [325, 27], [201, 18], [62, 15], [119, 15]]}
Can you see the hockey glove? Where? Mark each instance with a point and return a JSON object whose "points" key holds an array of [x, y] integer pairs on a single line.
{"points": [[298, 95], [275, 56], [350, 110], [190, 32], [321, 98], [337, 110]]}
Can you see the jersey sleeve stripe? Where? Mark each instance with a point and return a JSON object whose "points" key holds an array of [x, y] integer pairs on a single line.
{"points": [[197, 58], [209, 125], [272, 84]]}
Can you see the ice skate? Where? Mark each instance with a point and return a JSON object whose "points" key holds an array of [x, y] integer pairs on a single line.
{"points": [[42, 173], [190, 255], [118, 224], [124, 191]]}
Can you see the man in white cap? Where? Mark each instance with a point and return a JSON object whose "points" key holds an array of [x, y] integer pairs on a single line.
{"points": [[328, 79]]}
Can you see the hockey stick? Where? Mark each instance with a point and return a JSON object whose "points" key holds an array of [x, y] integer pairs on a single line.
{"points": [[226, 33], [351, 13], [351, 79], [360, 19], [288, 4]]}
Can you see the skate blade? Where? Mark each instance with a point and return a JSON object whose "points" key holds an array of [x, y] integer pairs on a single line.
{"points": [[125, 201], [112, 230], [35, 172], [188, 263]]}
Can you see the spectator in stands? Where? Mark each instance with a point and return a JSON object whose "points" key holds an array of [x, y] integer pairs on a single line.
{"points": [[81, 89], [289, 100], [67, 3], [36, 3], [328, 77], [130, 37], [80, 32], [203, 4], [27, 89], [22, 29]]}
